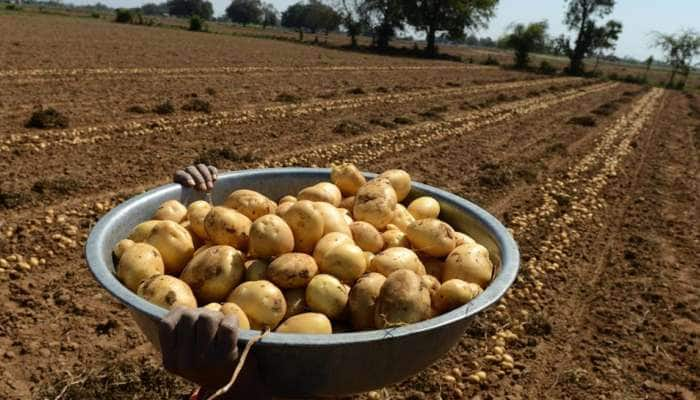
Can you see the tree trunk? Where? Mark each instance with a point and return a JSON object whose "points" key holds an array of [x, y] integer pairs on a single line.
{"points": [[597, 61], [301, 35], [577, 56], [353, 41], [673, 77], [430, 48]]}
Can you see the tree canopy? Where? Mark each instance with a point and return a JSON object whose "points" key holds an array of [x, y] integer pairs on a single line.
{"points": [[245, 11], [524, 39], [188, 8], [581, 17], [680, 49], [313, 16]]}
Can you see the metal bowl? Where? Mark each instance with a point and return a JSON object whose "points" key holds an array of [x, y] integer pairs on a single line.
{"points": [[296, 365]]}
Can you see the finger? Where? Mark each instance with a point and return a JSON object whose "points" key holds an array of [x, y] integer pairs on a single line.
{"points": [[214, 172], [185, 336], [206, 175], [167, 336], [227, 338], [198, 178], [183, 178], [206, 327]]}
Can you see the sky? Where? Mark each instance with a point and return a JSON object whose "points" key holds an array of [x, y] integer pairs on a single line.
{"points": [[639, 18]]}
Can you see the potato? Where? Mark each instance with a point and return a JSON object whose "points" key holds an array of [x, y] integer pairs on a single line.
{"points": [[327, 242], [171, 210], [213, 307], [196, 212], [167, 291], [261, 301], [348, 219], [322, 191], [309, 323], [403, 299], [140, 261], [455, 293], [433, 285], [291, 270], [391, 227], [347, 203], [375, 203], [296, 301], [141, 231], [368, 256], [327, 295], [463, 238], [424, 207], [227, 226], [347, 178], [270, 236], [470, 263], [433, 266], [362, 299], [255, 270], [174, 243], [287, 199], [400, 181], [333, 220], [121, 247], [395, 238], [213, 273], [233, 309], [201, 249], [284, 207], [402, 218], [250, 203], [197, 242], [345, 261], [397, 258], [431, 236], [306, 223], [367, 236]]}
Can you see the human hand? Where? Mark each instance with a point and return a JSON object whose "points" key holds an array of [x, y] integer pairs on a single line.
{"points": [[200, 177]]}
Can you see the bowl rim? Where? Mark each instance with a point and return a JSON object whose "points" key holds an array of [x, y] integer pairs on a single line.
{"points": [[510, 264]]}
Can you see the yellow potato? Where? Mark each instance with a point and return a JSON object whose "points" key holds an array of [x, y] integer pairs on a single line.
{"points": [[171, 210], [470, 263], [261, 301], [433, 285], [174, 243], [196, 212], [167, 291], [291, 270], [400, 181], [403, 299], [396, 258], [327, 295], [286, 199], [455, 293], [347, 178], [306, 223], [196, 241], [347, 203], [296, 301], [255, 270], [433, 266], [213, 273], [463, 238], [362, 299], [367, 236], [424, 207], [250, 203], [270, 236], [327, 242], [431, 236], [395, 238], [402, 218], [233, 309], [333, 219], [391, 227], [228, 226], [202, 248], [322, 191], [345, 261], [141, 232], [213, 307], [368, 257], [348, 219], [121, 247], [308, 323], [284, 207], [140, 261], [375, 203]]}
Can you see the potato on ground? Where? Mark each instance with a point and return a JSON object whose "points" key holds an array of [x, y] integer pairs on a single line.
{"points": [[121, 247], [431, 236], [402, 218], [167, 291], [250, 203], [403, 299], [296, 301], [230, 309], [308, 323], [400, 181], [196, 213], [362, 299], [333, 219], [261, 301], [396, 258], [367, 236], [424, 207], [470, 263], [270, 236], [255, 270], [306, 224], [327, 295], [141, 232], [395, 238], [328, 242], [171, 210], [291, 270], [139, 262], [346, 262], [174, 243], [213, 273], [375, 203], [227, 226], [323, 192], [455, 293], [347, 178]]}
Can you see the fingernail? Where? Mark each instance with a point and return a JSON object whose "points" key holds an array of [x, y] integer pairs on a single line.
{"points": [[190, 182]]}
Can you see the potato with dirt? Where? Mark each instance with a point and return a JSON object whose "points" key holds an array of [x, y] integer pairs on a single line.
{"points": [[345, 261], [171, 210], [167, 291], [261, 301], [424, 207], [347, 178], [333, 219], [121, 247], [400, 181], [322, 192], [141, 232], [291, 270], [250, 203], [395, 238], [367, 236], [470, 263], [362, 299], [255, 270], [196, 213], [309, 323], [396, 258], [431, 236], [306, 224], [270, 236], [402, 218], [139, 262], [463, 238], [433, 285], [327, 295], [213, 273], [174, 243], [226, 226], [455, 293], [403, 299], [328, 242], [231, 309], [375, 203]]}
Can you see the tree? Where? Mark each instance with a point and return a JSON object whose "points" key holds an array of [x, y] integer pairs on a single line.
{"points": [[245, 11], [453, 16], [293, 18], [648, 62], [321, 17], [605, 39], [355, 18], [581, 18], [525, 39], [154, 9], [270, 17], [188, 8], [385, 16], [680, 50]]}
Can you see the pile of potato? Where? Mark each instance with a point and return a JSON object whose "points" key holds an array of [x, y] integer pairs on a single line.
{"points": [[341, 255]]}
